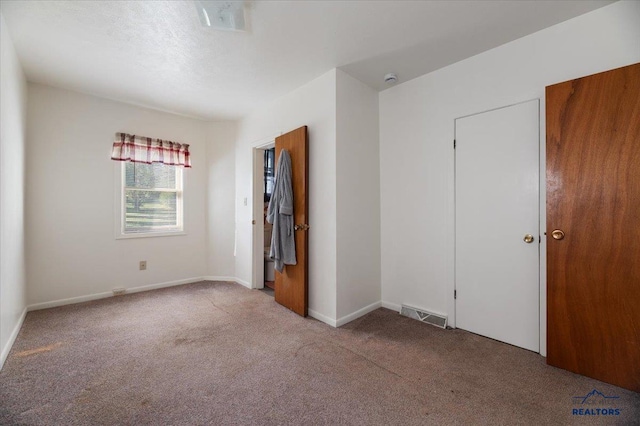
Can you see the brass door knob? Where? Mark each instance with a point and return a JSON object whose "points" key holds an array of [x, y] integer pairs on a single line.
{"points": [[557, 234], [528, 238]]}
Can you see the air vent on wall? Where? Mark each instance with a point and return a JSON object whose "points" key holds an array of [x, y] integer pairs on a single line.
{"points": [[424, 316]]}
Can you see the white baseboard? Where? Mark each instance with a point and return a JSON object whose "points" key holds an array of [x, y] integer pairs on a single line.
{"points": [[325, 319], [347, 318], [69, 301], [219, 278], [163, 285], [14, 334], [96, 296], [392, 306], [232, 279], [242, 282], [357, 314]]}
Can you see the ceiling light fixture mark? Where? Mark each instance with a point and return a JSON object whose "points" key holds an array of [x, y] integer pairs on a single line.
{"points": [[221, 15], [206, 16], [390, 78]]}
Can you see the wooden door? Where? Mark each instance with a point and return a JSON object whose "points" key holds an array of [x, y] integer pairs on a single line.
{"points": [[593, 226], [292, 284], [497, 224]]}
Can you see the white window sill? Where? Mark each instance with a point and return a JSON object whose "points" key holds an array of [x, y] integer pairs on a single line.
{"points": [[150, 235]]}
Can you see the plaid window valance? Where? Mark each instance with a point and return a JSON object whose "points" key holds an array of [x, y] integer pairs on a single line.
{"points": [[140, 149]]}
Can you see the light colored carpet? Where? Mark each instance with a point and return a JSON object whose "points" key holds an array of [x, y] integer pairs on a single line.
{"points": [[218, 353]]}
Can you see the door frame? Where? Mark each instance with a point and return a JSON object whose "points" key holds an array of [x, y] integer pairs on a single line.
{"points": [[542, 221], [257, 197]]}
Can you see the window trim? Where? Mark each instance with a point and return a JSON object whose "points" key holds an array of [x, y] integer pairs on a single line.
{"points": [[120, 206]]}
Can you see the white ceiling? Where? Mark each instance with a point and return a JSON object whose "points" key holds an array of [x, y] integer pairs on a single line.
{"points": [[157, 54]]}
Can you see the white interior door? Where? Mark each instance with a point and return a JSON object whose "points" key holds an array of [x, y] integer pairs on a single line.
{"points": [[497, 195]]}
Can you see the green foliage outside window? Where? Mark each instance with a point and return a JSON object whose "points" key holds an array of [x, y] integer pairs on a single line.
{"points": [[152, 197]]}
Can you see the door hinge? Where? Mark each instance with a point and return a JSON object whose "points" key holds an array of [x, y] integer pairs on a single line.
{"points": [[454, 144], [455, 294]]}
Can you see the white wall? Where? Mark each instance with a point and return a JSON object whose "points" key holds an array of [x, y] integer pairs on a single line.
{"points": [[358, 197], [416, 134], [313, 105], [71, 183], [221, 194], [13, 113]]}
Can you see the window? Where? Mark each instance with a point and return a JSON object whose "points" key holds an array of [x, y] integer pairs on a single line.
{"points": [[269, 172], [151, 199], [150, 183]]}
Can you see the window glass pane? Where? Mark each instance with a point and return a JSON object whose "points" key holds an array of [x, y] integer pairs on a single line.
{"points": [[151, 211], [149, 176]]}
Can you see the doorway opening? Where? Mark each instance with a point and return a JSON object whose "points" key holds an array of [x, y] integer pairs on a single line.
{"points": [[263, 180], [292, 285], [269, 179]]}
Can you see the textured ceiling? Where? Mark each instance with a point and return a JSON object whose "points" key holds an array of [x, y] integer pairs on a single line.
{"points": [[157, 54]]}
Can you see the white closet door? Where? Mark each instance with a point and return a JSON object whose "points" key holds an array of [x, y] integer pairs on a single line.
{"points": [[497, 195]]}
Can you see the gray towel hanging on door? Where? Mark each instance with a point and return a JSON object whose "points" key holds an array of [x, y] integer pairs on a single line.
{"points": [[280, 214]]}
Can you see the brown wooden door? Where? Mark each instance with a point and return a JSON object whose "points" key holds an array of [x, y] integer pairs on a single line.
{"points": [[593, 196], [292, 284]]}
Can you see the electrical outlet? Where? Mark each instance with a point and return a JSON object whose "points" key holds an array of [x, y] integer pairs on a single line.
{"points": [[119, 291], [143, 265]]}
